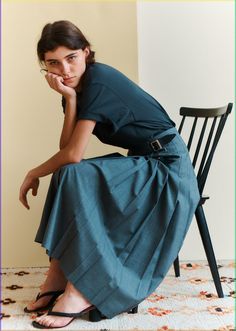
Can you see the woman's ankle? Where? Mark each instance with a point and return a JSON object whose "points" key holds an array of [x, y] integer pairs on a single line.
{"points": [[55, 279], [71, 291], [55, 269]]}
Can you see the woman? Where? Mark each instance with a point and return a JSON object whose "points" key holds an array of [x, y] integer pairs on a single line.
{"points": [[112, 225]]}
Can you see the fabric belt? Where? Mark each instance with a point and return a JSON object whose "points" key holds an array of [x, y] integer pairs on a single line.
{"points": [[155, 145]]}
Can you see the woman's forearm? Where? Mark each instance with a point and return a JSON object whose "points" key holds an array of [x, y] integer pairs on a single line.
{"points": [[63, 157], [72, 153], [69, 122]]}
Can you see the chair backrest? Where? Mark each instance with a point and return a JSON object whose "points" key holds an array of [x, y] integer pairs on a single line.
{"points": [[207, 126]]}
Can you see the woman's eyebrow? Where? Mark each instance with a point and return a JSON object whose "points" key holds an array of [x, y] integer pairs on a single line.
{"points": [[74, 53]]}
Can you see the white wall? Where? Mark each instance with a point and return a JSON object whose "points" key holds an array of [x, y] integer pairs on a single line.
{"points": [[186, 58]]}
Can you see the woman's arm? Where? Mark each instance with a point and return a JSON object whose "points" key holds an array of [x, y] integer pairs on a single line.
{"points": [[56, 83], [72, 153], [69, 121]]}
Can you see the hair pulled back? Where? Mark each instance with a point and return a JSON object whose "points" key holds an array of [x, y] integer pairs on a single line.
{"points": [[62, 33]]}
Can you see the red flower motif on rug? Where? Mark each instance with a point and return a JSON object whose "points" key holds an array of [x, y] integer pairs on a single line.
{"points": [[154, 297], [198, 280], [190, 266], [204, 295], [158, 312], [216, 310]]}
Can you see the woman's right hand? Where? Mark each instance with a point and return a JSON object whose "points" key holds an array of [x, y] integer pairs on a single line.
{"points": [[56, 83], [30, 182]]}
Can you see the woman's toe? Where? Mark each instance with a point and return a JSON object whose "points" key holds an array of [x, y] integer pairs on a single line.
{"points": [[44, 322], [47, 323], [39, 319], [52, 323], [55, 323]]}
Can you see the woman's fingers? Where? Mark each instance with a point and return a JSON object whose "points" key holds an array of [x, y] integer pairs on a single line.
{"points": [[35, 187], [27, 185], [23, 198], [34, 191], [54, 81]]}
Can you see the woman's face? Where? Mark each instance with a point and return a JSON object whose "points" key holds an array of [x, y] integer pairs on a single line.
{"points": [[68, 63]]}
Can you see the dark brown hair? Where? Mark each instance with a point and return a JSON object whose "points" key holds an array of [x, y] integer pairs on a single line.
{"points": [[62, 33]]}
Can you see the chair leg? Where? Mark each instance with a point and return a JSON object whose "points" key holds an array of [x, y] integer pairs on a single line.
{"points": [[176, 267], [206, 239]]}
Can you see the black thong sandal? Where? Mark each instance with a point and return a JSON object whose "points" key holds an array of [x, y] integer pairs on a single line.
{"points": [[54, 294], [57, 313]]}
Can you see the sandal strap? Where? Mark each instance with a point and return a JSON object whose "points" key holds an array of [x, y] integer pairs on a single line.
{"points": [[57, 313], [45, 294]]}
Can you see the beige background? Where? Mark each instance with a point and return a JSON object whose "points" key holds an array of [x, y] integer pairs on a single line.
{"points": [[32, 114]]}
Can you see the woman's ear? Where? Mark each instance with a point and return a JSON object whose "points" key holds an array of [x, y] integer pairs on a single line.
{"points": [[86, 51]]}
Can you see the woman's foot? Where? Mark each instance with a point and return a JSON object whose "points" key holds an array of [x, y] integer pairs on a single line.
{"points": [[72, 301], [55, 281]]}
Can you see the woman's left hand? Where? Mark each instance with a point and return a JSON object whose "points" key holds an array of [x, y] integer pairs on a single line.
{"points": [[29, 182]]}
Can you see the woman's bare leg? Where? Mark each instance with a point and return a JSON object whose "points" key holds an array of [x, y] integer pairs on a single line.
{"points": [[55, 281], [72, 301]]}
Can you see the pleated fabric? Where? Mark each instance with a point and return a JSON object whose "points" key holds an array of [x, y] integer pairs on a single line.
{"points": [[116, 223]]}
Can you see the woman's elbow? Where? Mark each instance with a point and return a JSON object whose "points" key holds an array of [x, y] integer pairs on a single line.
{"points": [[62, 144], [73, 156]]}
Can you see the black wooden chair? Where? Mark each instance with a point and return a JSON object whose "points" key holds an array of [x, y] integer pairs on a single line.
{"points": [[209, 141], [212, 121]]}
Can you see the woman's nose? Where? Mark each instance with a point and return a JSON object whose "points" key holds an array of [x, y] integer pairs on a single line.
{"points": [[65, 67]]}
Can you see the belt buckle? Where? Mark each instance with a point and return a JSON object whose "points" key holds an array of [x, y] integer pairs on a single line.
{"points": [[156, 145]]}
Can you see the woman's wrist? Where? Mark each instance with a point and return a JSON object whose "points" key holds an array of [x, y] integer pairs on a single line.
{"points": [[70, 105], [31, 174], [70, 97]]}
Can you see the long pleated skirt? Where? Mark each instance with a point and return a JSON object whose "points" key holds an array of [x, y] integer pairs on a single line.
{"points": [[116, 223]]}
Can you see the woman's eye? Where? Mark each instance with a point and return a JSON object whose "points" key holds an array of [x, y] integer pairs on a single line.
{"points": [[72, 58], [53, 63]]}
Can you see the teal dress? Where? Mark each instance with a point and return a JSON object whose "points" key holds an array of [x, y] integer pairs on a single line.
{"points": [[116, 223]]}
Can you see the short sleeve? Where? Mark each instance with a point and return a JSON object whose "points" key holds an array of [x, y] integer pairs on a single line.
{"points": [[101, 104]]}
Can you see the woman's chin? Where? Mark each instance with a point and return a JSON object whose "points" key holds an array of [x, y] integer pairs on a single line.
{"points": [[71, 82], [72, 85]]}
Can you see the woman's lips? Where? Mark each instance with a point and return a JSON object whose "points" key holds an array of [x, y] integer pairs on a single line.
{"points": [[68, 79]]}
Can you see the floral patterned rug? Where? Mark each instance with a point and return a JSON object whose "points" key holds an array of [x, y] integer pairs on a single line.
{"points": [[188, 302]]}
